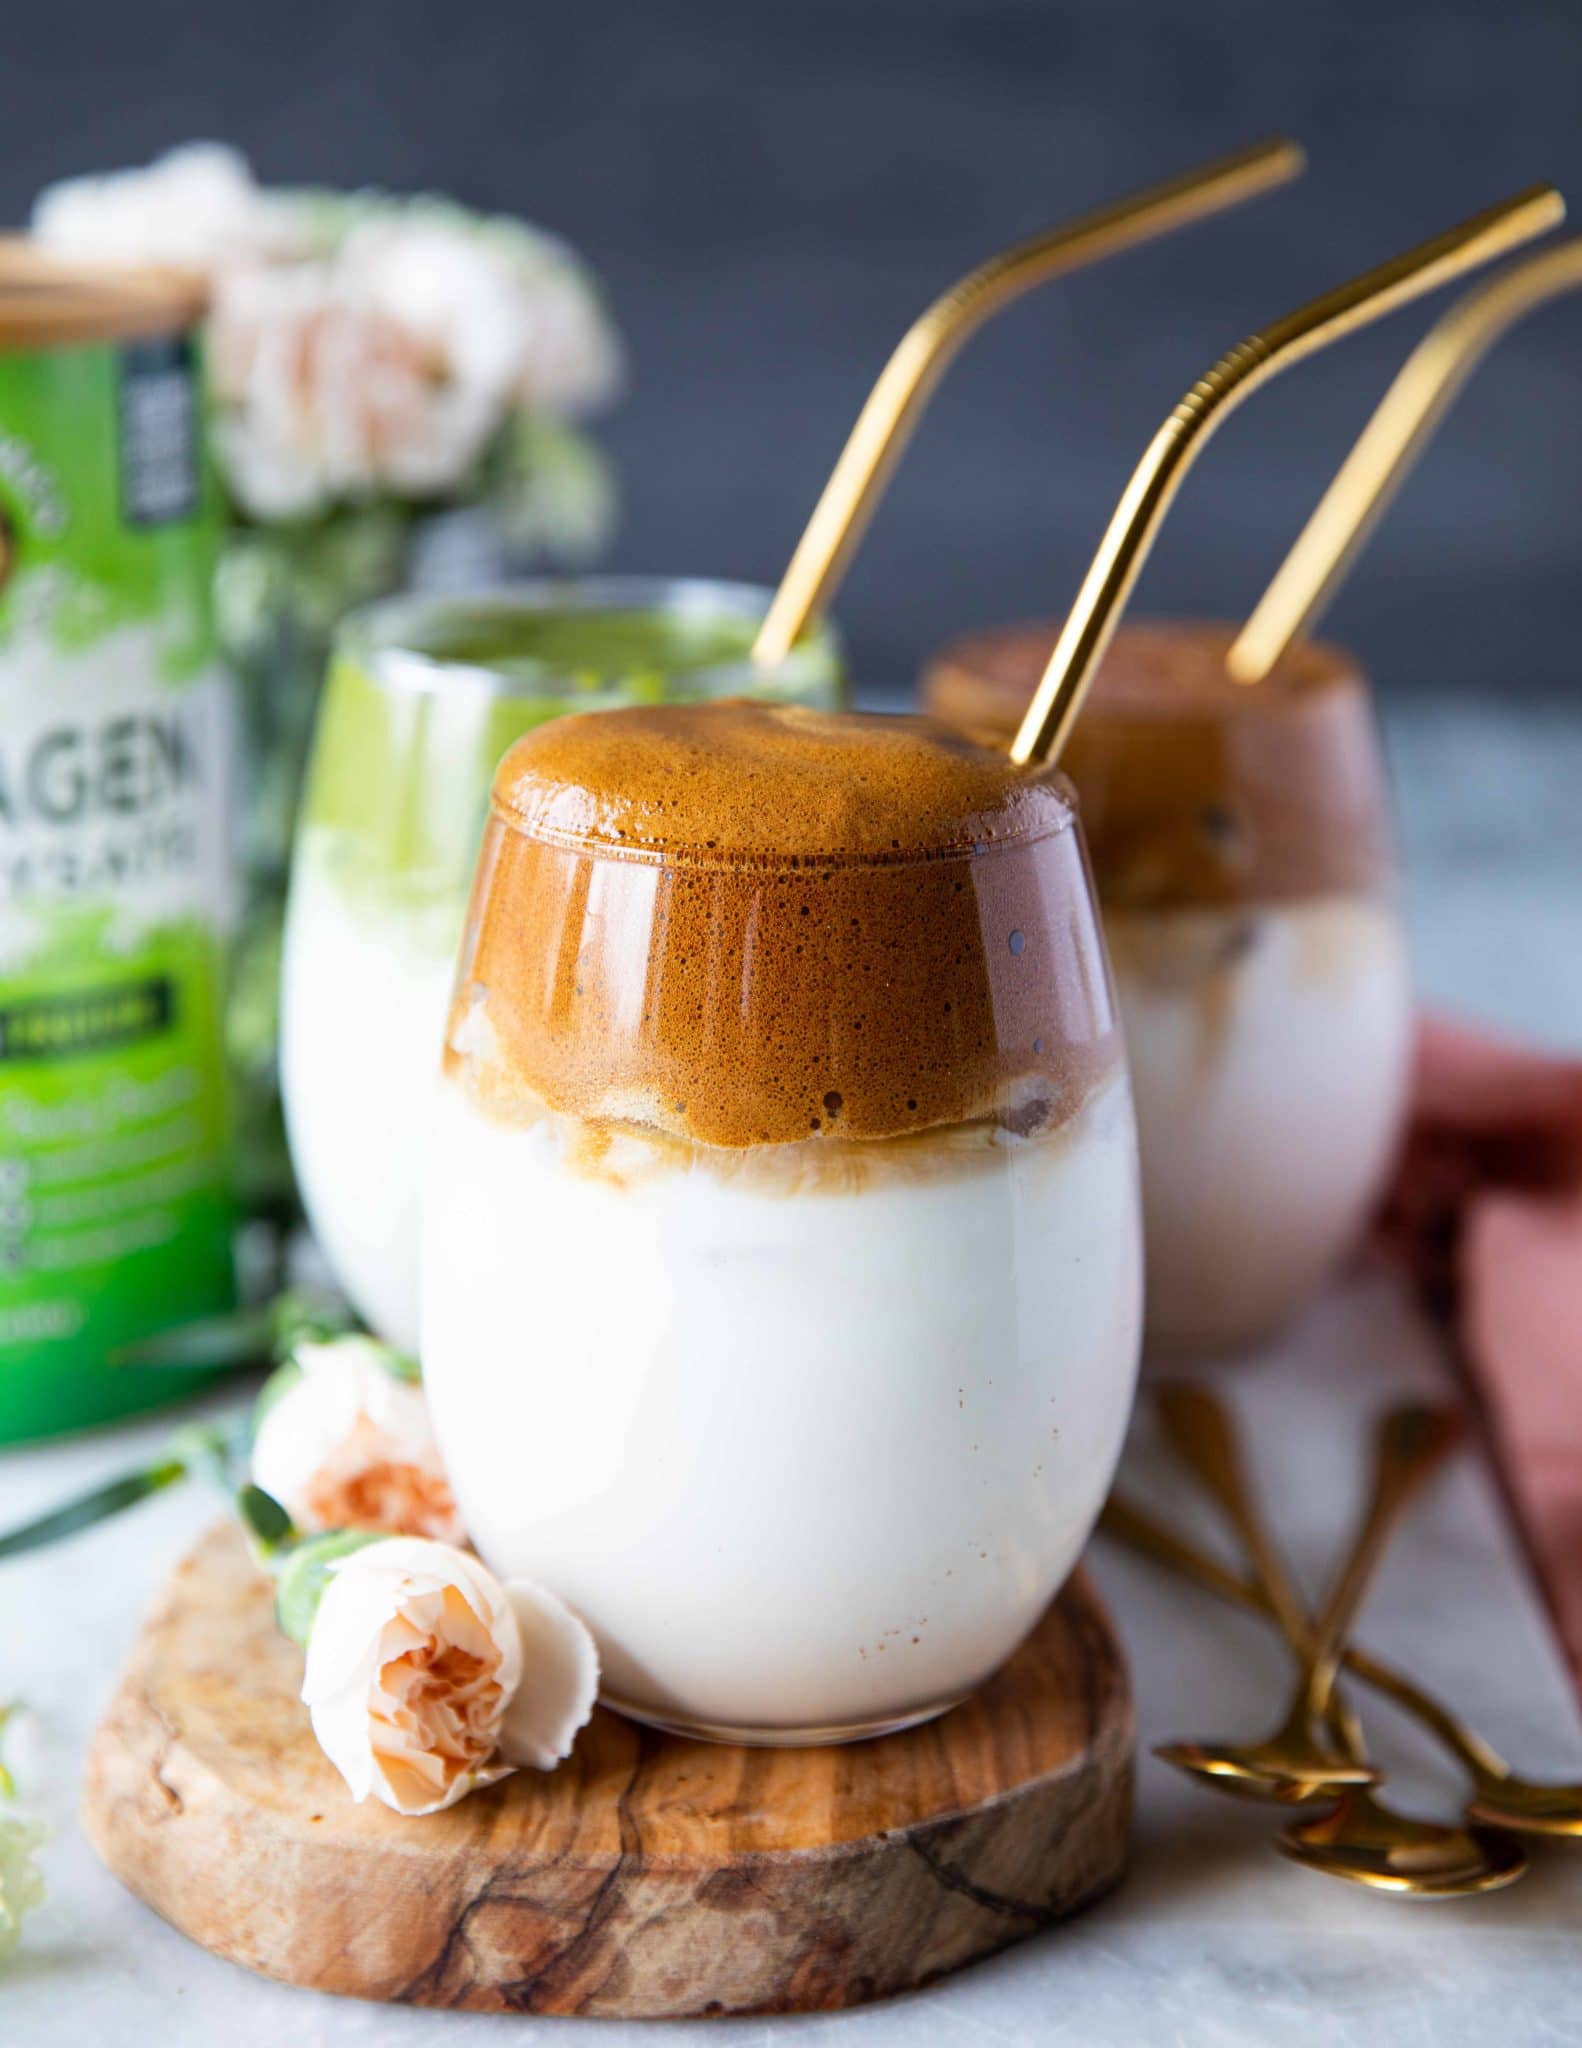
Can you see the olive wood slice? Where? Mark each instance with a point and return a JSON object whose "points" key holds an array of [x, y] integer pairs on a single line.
{"points": [[649, 1876]]}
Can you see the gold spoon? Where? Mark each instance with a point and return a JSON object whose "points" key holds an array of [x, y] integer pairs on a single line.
{"points": [[1523, 1805], [1199, 1429], [1365, 1842], [1411, 1442], [1360, 1839]]}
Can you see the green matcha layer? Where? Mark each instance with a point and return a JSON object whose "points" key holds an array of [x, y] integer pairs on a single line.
{"points": [[409, 735]]}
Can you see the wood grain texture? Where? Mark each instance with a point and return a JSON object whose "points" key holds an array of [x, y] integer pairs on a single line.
{"points": [[649, 1876]]}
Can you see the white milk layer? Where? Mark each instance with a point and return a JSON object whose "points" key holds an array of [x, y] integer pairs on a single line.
{"points": [[805, 1457], [365, 989], [1269, 1050]]}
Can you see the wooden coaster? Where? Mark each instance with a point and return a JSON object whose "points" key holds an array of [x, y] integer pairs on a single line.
{"points": [[649, 1876]]}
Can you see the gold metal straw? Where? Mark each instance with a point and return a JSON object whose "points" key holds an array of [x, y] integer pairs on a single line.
{"points": [[1390, 443], [885, 423], [1157, 478]]}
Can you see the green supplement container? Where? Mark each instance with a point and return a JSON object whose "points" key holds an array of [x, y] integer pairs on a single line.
{"points": [[116, 878]]}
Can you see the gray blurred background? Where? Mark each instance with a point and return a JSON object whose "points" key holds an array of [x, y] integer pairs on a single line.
{"points": [[772, 192]]}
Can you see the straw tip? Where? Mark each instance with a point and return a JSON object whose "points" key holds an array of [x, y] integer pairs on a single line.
{"points": [[1286, 150], [1273, 160], [1546, 203], [1247, 664]]}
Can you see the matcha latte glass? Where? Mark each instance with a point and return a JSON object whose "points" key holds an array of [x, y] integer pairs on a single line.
{"points": [[424, 696]]}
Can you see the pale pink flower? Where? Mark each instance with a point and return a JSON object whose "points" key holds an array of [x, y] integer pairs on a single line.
{"points": [[360, 349], [349, 1445], [426, 1678], [195, 208]]}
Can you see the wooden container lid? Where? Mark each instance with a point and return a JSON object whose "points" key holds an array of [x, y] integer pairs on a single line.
{"points": [[49, 302]]}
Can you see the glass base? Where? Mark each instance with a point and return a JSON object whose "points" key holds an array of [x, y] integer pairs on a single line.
{"points": [[821, 1737]]}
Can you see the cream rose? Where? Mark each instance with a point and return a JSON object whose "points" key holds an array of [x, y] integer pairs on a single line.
{"points": [[344, 1441], [323, 398], [358, 349], [197, 207], [392, 365], [426, 1678]]}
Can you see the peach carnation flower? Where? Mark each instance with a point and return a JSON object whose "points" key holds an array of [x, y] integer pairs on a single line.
{"points": [[344, 1441], [426, 1678]]}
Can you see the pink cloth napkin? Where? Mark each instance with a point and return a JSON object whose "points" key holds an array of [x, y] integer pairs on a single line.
{"points": [[1487, 1211]]}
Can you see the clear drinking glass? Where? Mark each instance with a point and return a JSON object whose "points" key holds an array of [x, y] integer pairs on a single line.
{"points": [[424, 695], [1242, 843], [782, 1261]]}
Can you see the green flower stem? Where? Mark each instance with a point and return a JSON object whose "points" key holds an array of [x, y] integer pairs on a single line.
{"points": [[249, 1336], [91, 1508], [195, 1452], [243, 1338]]}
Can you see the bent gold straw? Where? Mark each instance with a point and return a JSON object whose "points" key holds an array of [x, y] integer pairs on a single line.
{"points": [[1423, 392], [885, 423], [1171, 453]]}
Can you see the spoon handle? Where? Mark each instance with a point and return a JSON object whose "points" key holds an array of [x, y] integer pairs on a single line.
{"points": [[1203, 1433], [1410, 1443], [1128, 1524]]}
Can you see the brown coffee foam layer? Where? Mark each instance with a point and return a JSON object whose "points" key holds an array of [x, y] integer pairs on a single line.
{"points": [[627, 1158], [747, 780], [1196, 789], [748, 925]]}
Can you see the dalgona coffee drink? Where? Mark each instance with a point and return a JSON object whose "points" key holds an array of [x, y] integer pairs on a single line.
{"points": [[782, 1256], [1241, 846]]}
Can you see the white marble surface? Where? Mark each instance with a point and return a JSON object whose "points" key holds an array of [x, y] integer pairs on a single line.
{"points": [[1213, 1940]]}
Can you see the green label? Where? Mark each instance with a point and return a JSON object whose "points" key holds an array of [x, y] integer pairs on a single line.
{"points": [[93, 1020], [116, 893]]}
